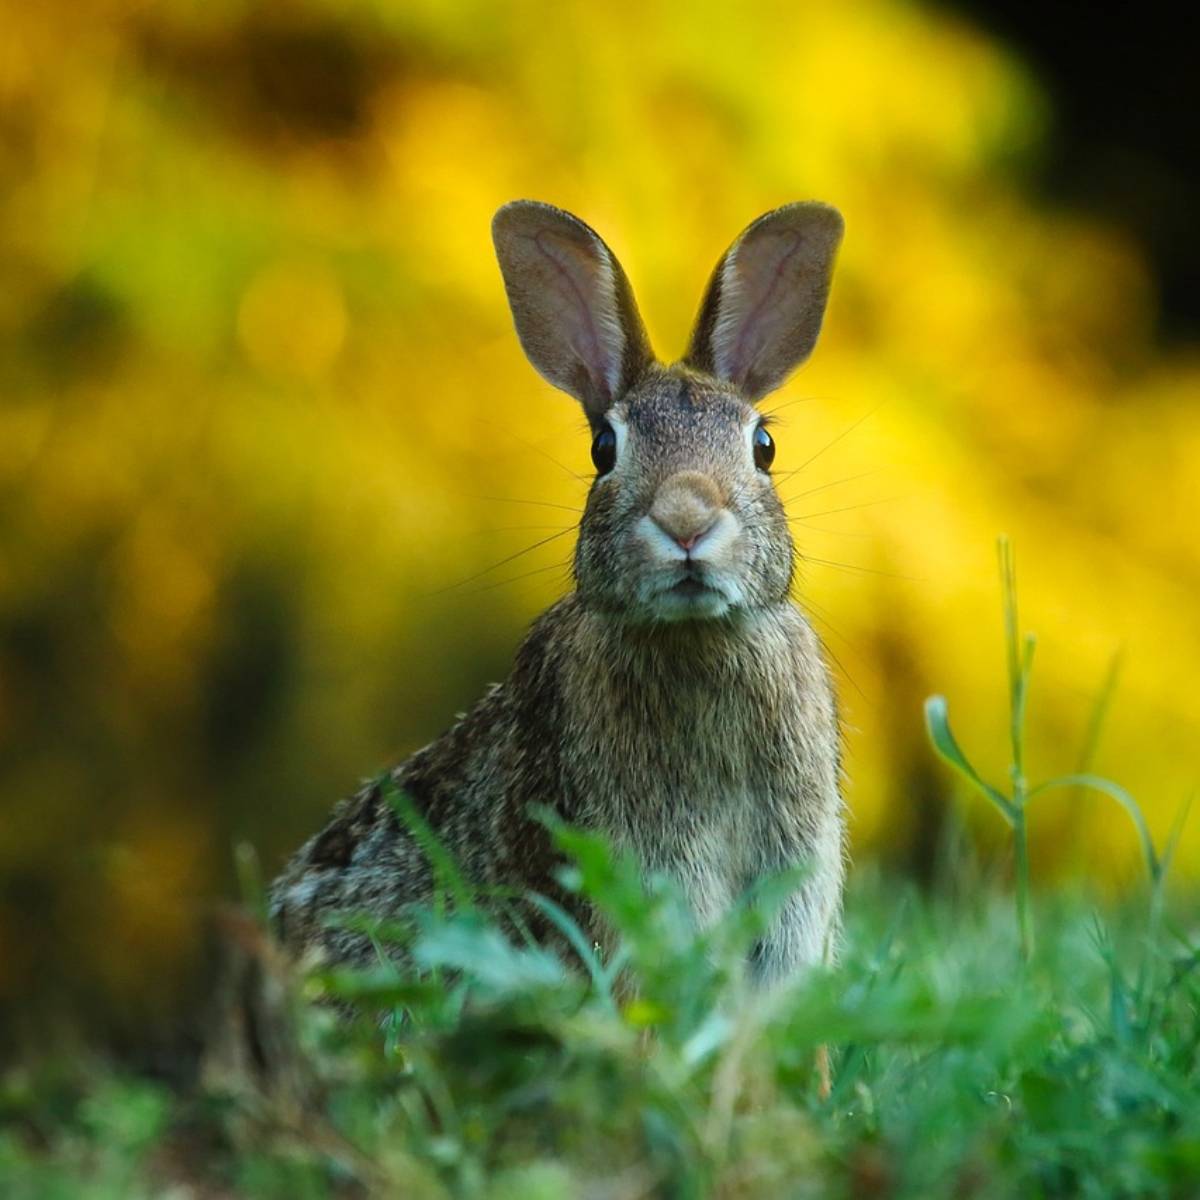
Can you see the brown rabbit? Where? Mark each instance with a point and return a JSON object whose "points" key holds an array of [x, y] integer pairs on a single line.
{"points": [[677, 701]]}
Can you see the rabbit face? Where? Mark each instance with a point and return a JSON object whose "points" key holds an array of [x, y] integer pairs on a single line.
{"points": [[682, 521], [686, 524]]}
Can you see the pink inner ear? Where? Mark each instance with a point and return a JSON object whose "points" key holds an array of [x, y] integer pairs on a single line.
{"points": [[582, 280], [757, 279]]}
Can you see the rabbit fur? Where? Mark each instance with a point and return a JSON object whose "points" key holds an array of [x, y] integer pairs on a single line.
{"points": [[677, 700]]}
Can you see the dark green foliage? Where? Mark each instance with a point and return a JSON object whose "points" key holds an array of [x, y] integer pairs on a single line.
{"points": [[496, 1069]]}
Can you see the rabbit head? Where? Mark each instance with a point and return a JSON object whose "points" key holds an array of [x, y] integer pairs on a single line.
{"points": [[682, 521]]}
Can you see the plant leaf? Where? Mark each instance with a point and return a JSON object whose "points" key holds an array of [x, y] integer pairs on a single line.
{"points": [[937, 721], [446, 873], [1098, 783]]}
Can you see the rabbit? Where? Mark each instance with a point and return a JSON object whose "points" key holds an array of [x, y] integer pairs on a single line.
{"points": [[677, 701]]}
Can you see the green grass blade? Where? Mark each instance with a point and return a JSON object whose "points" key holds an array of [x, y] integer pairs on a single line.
{"points": [[1172, 843], [1099, 714], [1008, 592], [1098, 783], [937, 721], [447, 876], [578, 941]]}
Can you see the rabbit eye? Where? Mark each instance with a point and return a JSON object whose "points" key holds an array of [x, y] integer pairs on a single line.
{"points": [[604, 450], [764, 449]]}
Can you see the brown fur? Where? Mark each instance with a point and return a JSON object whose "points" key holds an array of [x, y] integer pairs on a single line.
{"points": [[677, 700]]}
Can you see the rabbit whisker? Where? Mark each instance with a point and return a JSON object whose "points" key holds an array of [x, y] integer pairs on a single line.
{"points": [[554, 566], [538, 503], [845, 433], [517, 528], [850, 533], [504, 561], [841, 566], [516, 437], [824, 486], [818, 614], [848, 508], [778, 408]]}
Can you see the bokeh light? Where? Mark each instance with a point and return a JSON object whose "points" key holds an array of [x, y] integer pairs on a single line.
{"points": [[262, 410]]}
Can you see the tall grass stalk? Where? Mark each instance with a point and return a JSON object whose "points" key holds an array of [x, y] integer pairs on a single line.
{"points": [[1013, 805]]}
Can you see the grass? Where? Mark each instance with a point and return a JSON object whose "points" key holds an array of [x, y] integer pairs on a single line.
{"points": [[1013, 804], [501, 1072], [970, 1060]]}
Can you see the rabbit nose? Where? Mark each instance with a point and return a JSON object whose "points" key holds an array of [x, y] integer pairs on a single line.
{"points": [[686, 507]]}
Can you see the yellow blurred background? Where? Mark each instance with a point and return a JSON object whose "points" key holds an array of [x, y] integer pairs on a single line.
{"points": [[262, 413]]}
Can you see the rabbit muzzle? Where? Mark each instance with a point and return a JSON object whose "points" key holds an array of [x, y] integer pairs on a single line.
{"points": [[690, 540], [687, 508]]}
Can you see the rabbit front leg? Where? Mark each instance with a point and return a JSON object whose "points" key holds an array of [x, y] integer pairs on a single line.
{"points": [[802, 935], [804, 931]]}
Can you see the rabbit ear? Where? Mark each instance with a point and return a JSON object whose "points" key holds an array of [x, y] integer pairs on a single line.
{"points": [[571, 303], [763, 307]]}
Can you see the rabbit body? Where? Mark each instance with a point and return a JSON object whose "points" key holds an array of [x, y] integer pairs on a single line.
{"points": [[677, 701]]}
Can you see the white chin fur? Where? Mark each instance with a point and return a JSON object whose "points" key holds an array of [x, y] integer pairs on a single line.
{"points": [[660, 599], [707, 606]]}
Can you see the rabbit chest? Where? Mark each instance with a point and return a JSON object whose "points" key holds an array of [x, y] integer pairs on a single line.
{"points": [[711, 754]]}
